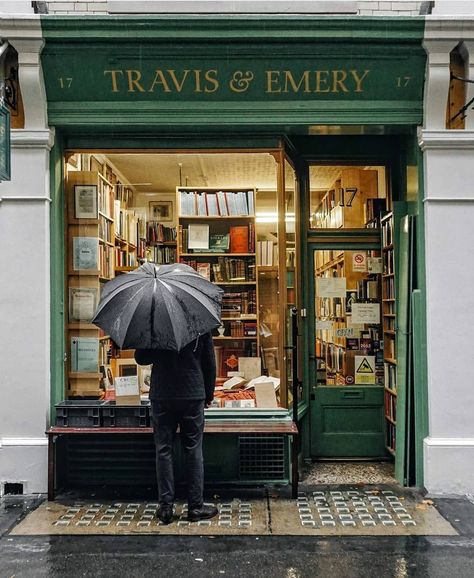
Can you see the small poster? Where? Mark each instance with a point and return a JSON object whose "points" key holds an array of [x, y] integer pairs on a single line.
{"points": [[85, 253], [364, 369], [367, 313], [331, 287], [85, 202], [359, 261], [374, 265], [82, 303]]}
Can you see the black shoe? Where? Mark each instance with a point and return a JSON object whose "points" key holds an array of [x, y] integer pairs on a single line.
{"points": [[202, 513], [165, 514]]}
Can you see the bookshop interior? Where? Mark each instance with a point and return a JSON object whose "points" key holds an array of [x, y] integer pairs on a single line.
{"points": [[235, 218]]}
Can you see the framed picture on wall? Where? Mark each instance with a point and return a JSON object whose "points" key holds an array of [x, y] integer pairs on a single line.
{"points": [[161, 210], [85, 202]]}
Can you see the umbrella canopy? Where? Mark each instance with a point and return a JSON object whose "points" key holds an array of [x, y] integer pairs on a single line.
{"points": [[158, 307]]}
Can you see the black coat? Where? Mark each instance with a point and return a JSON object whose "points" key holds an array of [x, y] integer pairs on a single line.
{"points": [[189, 374]]}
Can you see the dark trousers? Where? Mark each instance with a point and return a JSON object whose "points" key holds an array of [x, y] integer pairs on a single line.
{"points": [[189, 415]]}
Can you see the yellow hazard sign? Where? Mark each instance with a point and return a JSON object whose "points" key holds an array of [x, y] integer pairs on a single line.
{"points": [[365, 372]]}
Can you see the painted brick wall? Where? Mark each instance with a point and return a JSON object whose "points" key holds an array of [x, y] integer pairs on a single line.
{"points": [[367, 8]]}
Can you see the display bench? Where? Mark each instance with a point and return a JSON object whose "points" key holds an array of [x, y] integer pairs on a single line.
{"points": [[240, 448]]}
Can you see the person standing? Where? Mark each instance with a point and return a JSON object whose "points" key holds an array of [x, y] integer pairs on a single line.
{"points": [[182, 385]]}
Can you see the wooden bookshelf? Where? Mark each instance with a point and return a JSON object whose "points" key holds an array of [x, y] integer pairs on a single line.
{"points": [[233, 270], [389, 330], [95, 238]]}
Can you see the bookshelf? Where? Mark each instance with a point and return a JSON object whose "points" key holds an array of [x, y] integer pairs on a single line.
{"points": [[217, 237], [91, 262], [389, 330]]}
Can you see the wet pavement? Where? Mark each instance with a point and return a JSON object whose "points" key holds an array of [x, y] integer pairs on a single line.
{"points": [[251, 555]]}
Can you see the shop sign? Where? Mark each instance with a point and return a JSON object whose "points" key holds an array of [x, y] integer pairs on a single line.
{"points": [[165, 78], [5, 149]]}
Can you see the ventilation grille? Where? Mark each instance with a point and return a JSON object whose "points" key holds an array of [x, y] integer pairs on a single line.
{"points": [[262, 457]]}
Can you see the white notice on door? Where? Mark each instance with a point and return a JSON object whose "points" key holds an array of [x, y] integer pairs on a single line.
{"points": [[331, 287], [374, 265], [368, 313]]}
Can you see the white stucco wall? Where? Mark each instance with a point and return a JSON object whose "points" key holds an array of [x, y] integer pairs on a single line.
{"points": [[449, 218], [25, 287]]}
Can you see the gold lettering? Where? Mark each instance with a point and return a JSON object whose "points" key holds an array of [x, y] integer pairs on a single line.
{"points": [[359, 79], [271, 80], [113, 75], [338, 78], [211, 77], [304, 80], [159, 79], [197, 78], [320, 81], [134, 77], [178, 85]]}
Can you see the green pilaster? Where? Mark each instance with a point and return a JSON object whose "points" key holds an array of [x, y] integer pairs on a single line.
{"points": [[57, 242]]}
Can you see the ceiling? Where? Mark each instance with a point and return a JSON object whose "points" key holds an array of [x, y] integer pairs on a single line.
{"points": [[161, 173]]}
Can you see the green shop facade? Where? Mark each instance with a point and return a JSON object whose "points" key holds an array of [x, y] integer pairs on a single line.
{"points": [[319, 95]]}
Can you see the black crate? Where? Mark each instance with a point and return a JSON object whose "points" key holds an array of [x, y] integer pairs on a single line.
{"points": [[126, 415], [80, 413]]}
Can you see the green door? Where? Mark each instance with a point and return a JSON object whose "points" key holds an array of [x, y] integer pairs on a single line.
{"points": [[346, 357]]}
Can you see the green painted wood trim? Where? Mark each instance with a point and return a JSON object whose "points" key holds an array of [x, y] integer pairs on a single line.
{"points": [[105, 141], [401, 255], [146, 116], [420, 333], [57, 267], [237, 28]]}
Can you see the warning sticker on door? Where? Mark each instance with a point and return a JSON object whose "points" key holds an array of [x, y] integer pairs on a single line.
{"points": [[359, 261], [364, 369]]}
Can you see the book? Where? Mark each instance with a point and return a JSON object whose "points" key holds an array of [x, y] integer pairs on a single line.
{"points": [[198, 236], [85, 253], [82, 303], [265, 395], [204, 269], [219, 242], [230, 360], [222, 204], [239, 239], [84, 354], [250, 366]]}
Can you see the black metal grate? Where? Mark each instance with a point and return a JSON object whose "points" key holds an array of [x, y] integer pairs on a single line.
{"points": [[262, 457]]}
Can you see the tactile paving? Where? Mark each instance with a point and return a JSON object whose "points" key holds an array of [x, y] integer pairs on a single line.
{"points": [[339, 511]]}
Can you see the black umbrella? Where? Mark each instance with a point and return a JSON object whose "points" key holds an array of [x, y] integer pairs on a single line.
{"points": [[158, 307]]}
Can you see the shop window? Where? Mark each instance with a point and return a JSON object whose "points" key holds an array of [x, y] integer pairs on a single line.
{"points": [[455, 115], [347, 197], [124, 209]]}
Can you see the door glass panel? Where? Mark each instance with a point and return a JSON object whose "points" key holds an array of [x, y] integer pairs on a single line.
{"points": [[347, 196], [290, 261], [348, 330]]}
